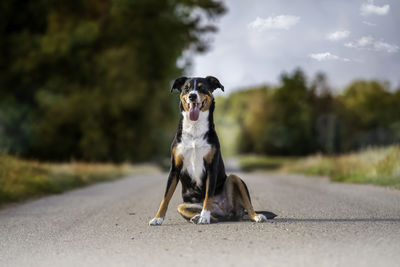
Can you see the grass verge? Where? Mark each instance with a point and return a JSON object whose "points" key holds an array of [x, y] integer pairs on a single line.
{"points": [[250, 163], [22, 179], [378, 166]]}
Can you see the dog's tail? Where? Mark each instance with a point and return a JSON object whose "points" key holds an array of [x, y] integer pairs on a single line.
{"points": [[269, 215]]}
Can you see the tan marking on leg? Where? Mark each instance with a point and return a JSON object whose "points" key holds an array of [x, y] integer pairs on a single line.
{"points": [[178, 158], [209, 157], [164, 203], [189, 210], [207, 204], [243, 194]]}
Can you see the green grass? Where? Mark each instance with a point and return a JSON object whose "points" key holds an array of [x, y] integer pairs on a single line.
{"points": [[22, 179], [379, 166], [251, 163]]}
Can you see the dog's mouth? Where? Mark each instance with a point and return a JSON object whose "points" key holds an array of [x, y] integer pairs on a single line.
{"points": [[194, 109]]}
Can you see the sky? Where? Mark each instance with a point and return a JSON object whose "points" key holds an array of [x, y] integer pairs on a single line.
{"points": [[258, 40]]}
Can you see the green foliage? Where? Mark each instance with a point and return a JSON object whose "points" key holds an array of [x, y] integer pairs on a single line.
{"points": [[291, 123], [300, 118], [369, 115], [90, 79], [276, 121]]}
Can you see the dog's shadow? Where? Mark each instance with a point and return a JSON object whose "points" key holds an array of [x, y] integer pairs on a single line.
{"points": [[272, 218], [335, 220], [269, 215]]}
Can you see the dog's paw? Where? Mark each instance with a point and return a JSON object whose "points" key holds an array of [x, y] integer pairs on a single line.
{"points": [[156, 221], [260, 218], [202, 218]]}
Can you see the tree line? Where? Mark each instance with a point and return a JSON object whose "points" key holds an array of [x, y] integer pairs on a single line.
{"points": [[301, 117]]}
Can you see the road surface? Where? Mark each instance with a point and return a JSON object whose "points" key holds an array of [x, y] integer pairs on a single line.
{"points": [[319, 223]]}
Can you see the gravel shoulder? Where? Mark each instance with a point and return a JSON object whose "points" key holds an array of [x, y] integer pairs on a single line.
{"points": [[319, 223]]}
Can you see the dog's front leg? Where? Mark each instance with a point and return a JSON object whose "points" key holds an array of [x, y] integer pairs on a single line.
{"points": [[205, 215], [171, 185]]}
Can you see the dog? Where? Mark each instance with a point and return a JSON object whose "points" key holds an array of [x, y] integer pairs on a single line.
{"points": [[209, 195]]}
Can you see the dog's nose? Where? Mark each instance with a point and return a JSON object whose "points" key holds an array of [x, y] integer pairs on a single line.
{"points": [[192, 97]]}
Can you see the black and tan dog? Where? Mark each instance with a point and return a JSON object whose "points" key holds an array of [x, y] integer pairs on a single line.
{"points": [[208, 193]]}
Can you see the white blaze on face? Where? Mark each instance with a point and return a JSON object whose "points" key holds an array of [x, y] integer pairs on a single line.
{"points": [[194, 92]]}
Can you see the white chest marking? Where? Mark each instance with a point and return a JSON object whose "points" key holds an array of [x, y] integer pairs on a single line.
{"points": [[193, 146]]}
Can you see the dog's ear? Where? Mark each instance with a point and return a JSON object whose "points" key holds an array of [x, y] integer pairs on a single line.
{"points": [[214, 83], [178, 83]]}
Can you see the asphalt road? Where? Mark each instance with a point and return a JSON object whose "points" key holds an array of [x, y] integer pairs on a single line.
{"points": [[319, 224]]}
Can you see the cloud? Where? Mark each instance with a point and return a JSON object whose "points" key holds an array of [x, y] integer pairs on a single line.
{"points": [[369, 23], [371, 9], [327, 56], [364, 41], [369, 43], [338, 35], [278, 22], [390, 48]]}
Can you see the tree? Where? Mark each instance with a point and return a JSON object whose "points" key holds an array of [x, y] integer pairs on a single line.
{"points": [[369, 111], [291, 124], [93, 76], [324, 115]]}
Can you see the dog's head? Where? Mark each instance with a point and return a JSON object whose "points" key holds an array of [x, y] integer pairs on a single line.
{"points": [[196, 94]]}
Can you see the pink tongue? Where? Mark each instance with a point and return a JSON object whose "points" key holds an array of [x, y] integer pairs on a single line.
{"points": [[194, 112]]}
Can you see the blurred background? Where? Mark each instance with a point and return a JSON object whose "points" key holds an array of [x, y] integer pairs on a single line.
{"points": [[89, 80]]}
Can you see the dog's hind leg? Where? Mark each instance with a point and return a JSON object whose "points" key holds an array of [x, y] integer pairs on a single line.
{"points": [[190, 210], [239, 195]]}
